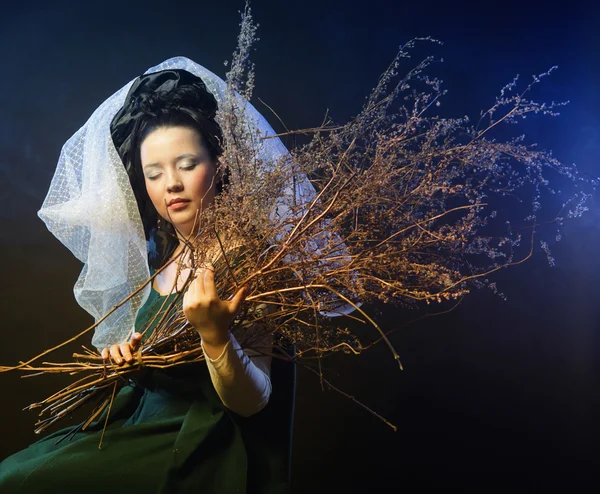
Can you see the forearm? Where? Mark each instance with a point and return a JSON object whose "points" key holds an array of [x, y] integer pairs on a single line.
{"points": [[241, 385]]}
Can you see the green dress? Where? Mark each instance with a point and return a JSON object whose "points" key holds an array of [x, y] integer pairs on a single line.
{"points": [[168, 432]]}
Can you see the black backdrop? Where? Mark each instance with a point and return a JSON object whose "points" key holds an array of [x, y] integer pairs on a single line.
{"points": [[495, 393]]}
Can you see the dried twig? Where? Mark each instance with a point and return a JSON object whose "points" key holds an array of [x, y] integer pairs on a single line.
{"points": [[402, 198]]}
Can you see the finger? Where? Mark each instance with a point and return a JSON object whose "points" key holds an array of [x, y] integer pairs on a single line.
{"points": [[202, 280], [190, 290], [105, 354], [116, 354], [237, 300], [209, 284], [195, 288], [126, 352], [135, 341]]}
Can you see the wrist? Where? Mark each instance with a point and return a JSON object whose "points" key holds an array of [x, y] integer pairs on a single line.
{"points": [[214, 338], [214, 348]]}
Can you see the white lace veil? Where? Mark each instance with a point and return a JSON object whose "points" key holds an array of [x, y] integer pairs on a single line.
{"points": [[90, 207]]}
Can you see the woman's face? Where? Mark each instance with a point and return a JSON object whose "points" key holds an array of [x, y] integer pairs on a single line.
{"points": [[180, 177]]}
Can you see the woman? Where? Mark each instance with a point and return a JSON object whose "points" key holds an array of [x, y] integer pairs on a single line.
{"points": [[208, 427]]}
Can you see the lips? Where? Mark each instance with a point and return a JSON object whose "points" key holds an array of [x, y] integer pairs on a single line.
{"points": [[176, 200], [178, 204]]}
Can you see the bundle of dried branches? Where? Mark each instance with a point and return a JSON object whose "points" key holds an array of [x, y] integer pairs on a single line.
{"points": [[401, 197]]}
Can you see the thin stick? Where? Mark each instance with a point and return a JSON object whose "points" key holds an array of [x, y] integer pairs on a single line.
{"points": [[395, 429], [107, 415]]}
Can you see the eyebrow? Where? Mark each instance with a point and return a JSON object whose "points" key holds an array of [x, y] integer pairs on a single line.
{"points": [[179, 158]]}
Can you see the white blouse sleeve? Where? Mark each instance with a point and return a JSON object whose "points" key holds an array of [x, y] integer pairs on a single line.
{"points": [[241, 378]]}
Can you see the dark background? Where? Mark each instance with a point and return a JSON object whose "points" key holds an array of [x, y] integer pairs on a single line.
{"points": [[495, 393]]}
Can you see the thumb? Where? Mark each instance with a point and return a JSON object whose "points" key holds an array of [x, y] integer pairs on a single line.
{"points": [[135, 340], [238, 299]]}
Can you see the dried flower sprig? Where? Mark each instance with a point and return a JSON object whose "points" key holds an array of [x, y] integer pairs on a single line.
{"points": [[401, 198]]}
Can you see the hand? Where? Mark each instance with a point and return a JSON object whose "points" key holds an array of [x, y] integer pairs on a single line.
{"points": [[203, 308], [123, 353]]}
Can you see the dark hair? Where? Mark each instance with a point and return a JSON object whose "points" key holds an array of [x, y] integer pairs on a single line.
{"points": [[184, 106]]}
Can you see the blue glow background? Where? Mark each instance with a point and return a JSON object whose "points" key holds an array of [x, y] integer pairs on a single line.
{"points": [[494, 393]]}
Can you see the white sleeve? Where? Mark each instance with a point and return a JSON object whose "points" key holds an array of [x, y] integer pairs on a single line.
{"points": [[243, 383]]}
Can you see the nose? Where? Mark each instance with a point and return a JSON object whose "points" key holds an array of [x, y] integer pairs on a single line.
{"points": [[174, 184]]}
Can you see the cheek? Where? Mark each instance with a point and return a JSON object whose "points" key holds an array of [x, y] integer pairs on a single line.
{"points": [[201, 181], [154, 194]]}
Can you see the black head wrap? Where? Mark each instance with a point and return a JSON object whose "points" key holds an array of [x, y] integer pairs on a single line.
{"points": [[149, 95]]}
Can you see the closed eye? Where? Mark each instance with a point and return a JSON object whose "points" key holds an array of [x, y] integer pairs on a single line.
{"points": [[189, 167]]}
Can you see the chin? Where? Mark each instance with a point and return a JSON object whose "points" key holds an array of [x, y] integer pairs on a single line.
{"points": [[184, 228]]}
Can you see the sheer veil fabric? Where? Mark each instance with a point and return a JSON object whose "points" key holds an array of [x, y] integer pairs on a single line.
{"points": [[90, 207]]}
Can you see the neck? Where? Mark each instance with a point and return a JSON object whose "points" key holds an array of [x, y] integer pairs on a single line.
{"points": [[184, 249]]}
